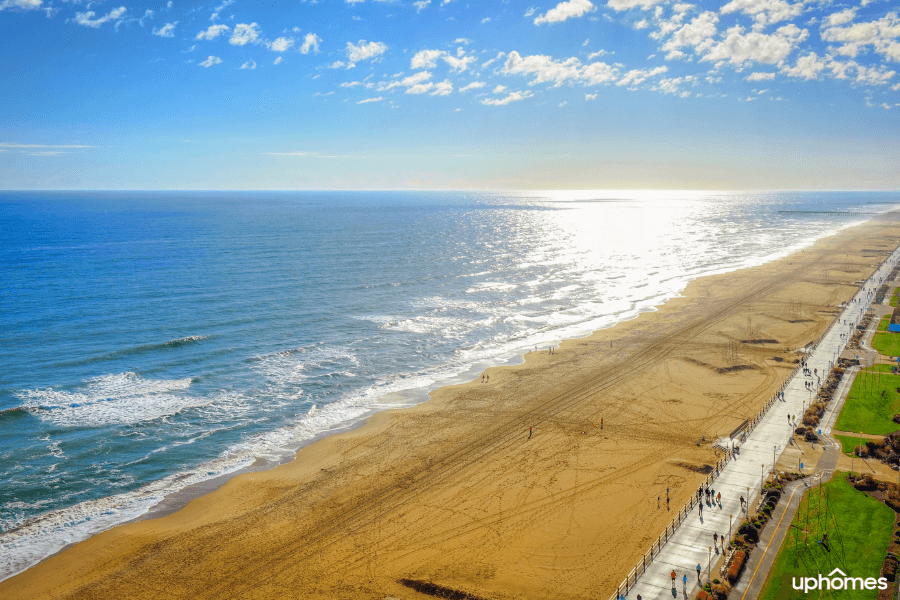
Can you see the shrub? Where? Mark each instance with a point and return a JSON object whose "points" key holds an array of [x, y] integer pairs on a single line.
{"points": [[702, 595], [737, 565], [897, 418], [749, 533]]}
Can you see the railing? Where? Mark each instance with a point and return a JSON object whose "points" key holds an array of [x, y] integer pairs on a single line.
{"points": [[656, 547]]}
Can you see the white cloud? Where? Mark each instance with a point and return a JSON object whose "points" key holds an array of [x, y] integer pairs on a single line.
{"points": [[245, 34], [563, 103], [499, 89], [488, 63], [338, 64], [166, 30], [841, 18], [444, 88], [20, 4], [807, 67], [697, 34], [882, 35], [512, 97], [87, 18], [629, 4], [425, 59], [310, 43], [530, 11], [350, 84], [566, 10], [590, 96], [213, 32], [739, 48], [367, 100], [420, 88], [212, 60], [672, 85], [365, 50], [421, 4], [278, 60], [764, 12], [281, 44], [639, 76], [472, 86], [594, 55], [642, 24], [760, 76], [485, 20], [250, 64], [546, 70]]}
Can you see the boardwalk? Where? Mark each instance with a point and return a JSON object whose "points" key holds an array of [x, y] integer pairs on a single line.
{"points": [[691, 543]]}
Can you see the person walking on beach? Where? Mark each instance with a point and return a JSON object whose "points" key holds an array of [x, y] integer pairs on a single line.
{"points": [[529, 433]]}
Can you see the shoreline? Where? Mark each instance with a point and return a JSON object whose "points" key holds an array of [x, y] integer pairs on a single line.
{"points": [[377, 419], [179, 498]]}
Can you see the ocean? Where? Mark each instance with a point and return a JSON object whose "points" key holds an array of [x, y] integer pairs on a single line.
{"points": [[154, 340]]}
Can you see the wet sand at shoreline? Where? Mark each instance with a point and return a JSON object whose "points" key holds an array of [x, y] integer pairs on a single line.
{"points": [[453, 492]]}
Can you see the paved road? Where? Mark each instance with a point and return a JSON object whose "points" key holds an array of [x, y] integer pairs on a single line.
{"points": [[692, 542]]}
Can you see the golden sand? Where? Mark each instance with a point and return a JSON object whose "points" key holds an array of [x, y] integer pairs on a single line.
{"points": [[454, 493]]}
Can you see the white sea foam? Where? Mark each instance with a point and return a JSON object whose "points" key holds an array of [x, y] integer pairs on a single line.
{"points": [[604, 293], [111, 399]]}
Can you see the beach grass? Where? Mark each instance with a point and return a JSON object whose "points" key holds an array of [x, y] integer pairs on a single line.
{"points": [[859, 532], [871, 404], [884, 322], [887, 343]]}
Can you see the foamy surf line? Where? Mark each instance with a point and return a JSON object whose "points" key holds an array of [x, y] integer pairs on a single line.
{"points": [[33, 540]]}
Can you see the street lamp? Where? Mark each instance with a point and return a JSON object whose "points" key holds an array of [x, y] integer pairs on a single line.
{"points": [[709, 566], [729, 527]]}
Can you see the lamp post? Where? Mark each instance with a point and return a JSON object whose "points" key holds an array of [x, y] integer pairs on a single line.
{"points": [[729, 528], [709, 566], [774, 449]]}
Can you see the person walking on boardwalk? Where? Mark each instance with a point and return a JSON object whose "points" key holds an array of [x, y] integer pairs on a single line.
{"points": [[716, 540], [699, 570], [719, 498], [674, 577], [742, 502]]}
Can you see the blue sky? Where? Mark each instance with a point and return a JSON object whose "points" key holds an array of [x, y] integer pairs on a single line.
{"points": [[444, 94]]}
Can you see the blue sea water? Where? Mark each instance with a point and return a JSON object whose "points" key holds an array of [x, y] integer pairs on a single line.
{"points": [[150, 340]]}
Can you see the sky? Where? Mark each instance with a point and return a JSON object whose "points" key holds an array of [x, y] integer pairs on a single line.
{"points": [[447, 94]]}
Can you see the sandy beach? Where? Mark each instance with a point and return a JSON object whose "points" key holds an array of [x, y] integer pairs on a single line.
{"points": [[453, 492]]}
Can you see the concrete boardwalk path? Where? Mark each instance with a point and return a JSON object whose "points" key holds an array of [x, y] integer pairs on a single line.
{"points": [[691, 544]]}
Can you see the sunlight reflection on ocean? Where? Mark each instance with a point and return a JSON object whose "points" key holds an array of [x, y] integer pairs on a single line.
{"points": [[154, 340]]}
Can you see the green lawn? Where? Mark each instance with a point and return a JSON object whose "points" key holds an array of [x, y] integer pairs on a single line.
{"points": [[859, 531], [894, 297], [848, 443], [887, 343], [866, 410], [884, 322], [879, 369]]}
